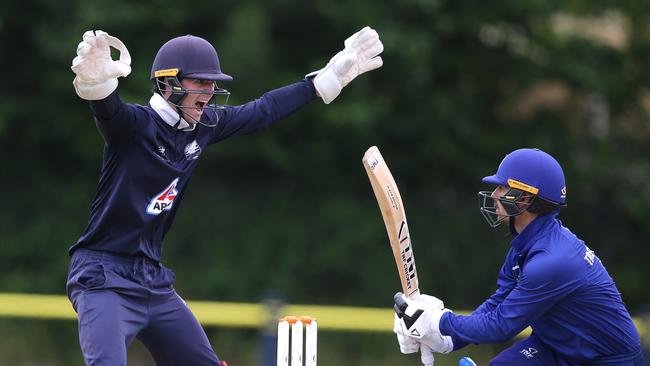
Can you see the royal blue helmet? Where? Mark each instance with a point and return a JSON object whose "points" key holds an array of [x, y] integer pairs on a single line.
{"points": [[188, 56], [536, 183], [532, 171]]}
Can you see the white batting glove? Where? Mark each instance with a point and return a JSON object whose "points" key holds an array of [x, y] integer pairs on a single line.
{"points": [[426, 355], [420, 320], [411, 345], [406, 344], [361, 54], [96, 72]]}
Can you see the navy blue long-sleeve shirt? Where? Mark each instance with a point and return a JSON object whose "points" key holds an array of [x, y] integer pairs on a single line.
{"points": [[148, 161], [553, 282]]}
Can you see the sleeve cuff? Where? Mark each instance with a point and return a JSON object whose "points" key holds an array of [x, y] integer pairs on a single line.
{"points": [[447, 330]]}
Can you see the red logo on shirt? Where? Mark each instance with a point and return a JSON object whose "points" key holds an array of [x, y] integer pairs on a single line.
{"points": [[164, 200]]}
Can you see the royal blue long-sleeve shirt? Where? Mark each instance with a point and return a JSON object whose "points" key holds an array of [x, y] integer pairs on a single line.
{"points": [[149, 158], [552, 282]]}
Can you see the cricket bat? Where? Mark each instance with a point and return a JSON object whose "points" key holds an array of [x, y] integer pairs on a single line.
{"points": [[392, 210]]}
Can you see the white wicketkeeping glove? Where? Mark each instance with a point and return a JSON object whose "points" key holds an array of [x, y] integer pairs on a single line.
{"points": [[420, 320], [361, 54], [96, 72]]}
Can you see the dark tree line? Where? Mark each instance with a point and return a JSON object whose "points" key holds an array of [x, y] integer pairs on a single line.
{"points": [[290, 210]]}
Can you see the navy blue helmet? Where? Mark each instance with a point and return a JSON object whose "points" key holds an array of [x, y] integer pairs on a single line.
{"points": [[188, 57]]}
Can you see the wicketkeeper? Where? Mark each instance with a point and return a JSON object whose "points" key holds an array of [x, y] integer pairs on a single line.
{"points": [[116, 281], [550, 281]]}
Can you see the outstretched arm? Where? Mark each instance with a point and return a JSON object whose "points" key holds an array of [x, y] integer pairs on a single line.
{"points": [[361, 54], [260, 113]]}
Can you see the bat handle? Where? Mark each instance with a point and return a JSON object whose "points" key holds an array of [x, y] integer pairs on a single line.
{"points": [[426, 355]]}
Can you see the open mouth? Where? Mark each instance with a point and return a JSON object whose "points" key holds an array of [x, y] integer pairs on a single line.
{"points": [[199, 105]]}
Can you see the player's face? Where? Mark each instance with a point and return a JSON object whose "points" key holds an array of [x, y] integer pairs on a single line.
{"points": [[194, 102], [498, 192]]}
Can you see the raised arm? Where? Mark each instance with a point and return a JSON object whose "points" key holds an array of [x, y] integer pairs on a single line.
{"points": [[95, 80]]}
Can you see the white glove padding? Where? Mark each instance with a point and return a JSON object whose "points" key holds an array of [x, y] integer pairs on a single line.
{"points": [[96, 72], [409, 344], [426, 353], [361, 54], [406, 344], [420, 320]]}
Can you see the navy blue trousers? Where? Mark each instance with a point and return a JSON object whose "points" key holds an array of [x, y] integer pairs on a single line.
{"points": [[118, 298]]}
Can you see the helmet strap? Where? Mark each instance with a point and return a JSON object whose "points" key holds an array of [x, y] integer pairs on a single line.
{"points": [[178, 93], [511, 226]]}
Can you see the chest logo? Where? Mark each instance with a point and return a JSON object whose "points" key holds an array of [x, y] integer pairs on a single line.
{"points": [[192, 150], [164, 200]]}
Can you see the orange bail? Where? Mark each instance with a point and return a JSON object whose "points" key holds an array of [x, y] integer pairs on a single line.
{"points": [[289, 319], [307, 319]]}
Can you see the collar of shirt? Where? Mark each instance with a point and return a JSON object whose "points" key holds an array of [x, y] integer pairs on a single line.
{"points": [[168, 114], [524, 240]]}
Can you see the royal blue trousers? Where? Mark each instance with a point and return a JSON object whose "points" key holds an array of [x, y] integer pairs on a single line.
{"points": [[532, 352], [119, 298]]}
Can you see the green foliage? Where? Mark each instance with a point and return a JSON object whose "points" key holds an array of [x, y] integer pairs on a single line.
{"points": [[290, 210]]}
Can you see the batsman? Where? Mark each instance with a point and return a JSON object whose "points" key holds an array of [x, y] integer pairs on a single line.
{"points": [[116, 281], [550, 280]]}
